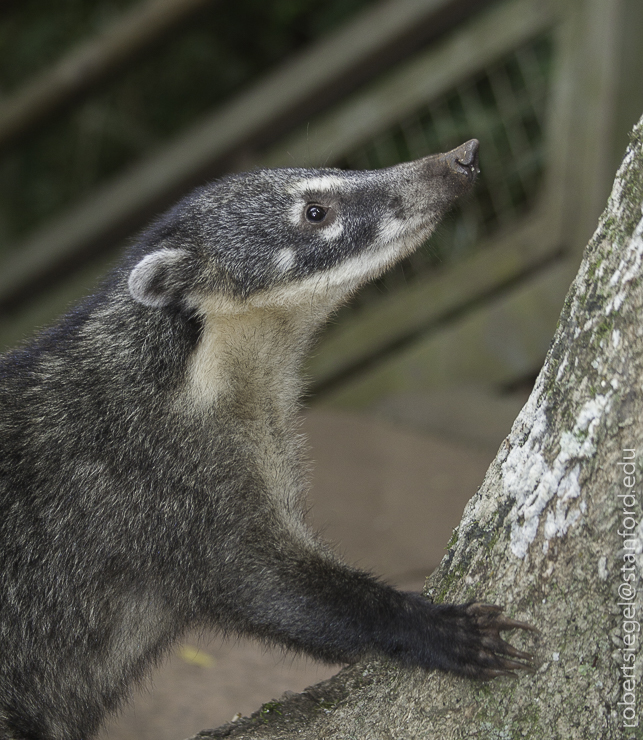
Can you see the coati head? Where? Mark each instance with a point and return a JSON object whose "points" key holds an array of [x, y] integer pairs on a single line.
{"points": [[279, 236]]}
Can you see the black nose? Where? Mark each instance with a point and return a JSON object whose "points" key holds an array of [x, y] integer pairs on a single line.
{"points": [[464, 158]]}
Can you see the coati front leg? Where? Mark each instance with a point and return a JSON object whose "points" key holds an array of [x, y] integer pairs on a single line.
{"points": [[299, 595]]}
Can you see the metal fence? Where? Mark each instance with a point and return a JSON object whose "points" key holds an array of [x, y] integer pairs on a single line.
{"points": [[503, 105]]}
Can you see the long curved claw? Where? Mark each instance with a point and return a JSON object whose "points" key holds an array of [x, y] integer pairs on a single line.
{"points": [[490, 622], [498, 645], [515, 665], [508, 649]]}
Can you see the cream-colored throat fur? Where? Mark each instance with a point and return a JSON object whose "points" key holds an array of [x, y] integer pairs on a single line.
{"points": [[250, 357]]}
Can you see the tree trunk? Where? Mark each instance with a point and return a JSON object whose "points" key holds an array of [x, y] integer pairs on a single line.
{"points": [[555, 534]]}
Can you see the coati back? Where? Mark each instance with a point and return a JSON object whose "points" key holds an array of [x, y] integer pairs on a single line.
{"points": [[151, 471]]}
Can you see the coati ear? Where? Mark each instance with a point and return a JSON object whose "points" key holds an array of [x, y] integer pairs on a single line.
{"points": [[159, 279]]}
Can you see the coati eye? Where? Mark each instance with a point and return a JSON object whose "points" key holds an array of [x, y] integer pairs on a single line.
{"points": [[315, 214]]}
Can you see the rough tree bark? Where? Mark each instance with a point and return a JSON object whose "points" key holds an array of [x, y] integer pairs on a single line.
{"points": [[555, 534]]}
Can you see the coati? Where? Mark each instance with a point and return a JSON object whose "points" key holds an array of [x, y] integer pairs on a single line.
{"points": [[151, 470]]}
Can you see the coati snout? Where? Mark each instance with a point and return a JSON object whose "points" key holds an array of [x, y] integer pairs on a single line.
{"points": [[152, 474]]}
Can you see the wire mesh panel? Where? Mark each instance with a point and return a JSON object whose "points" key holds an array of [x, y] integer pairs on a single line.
{"points": [[504, 106]]}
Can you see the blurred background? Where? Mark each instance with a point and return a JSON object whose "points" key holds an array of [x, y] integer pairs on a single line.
{"points": [[112, 109]]}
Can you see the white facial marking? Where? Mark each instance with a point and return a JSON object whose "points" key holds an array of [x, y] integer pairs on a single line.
{"points": [[294, 214], [333, 231], [285, 259], [391, 230], [394, 229], [340, 280], [323, 184]]}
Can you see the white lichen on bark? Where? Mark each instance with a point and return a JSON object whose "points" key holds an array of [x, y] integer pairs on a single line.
{"points": [[527, 477]]}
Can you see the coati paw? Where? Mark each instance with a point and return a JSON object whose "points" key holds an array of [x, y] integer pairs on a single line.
{"points": [[486, 655]]}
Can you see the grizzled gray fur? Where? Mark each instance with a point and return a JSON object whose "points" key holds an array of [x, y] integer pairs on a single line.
{"points": [[151, 471]]}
